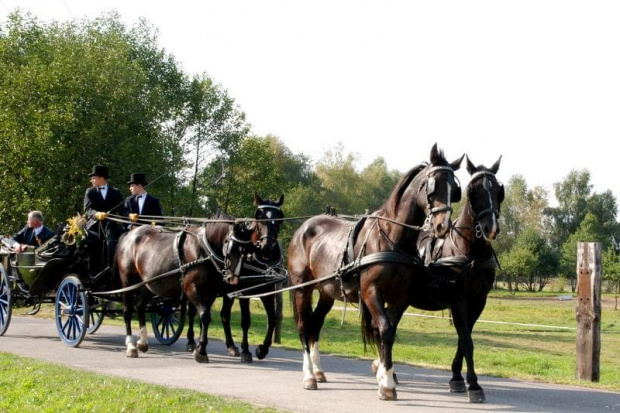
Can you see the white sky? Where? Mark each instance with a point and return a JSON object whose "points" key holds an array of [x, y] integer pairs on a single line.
{"points": [[535, 81]]}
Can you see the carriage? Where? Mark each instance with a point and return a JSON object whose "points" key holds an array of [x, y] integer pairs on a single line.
{"points": [[59, 273]]}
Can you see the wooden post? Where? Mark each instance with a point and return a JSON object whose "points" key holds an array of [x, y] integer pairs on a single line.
{"points": [[588, 310]]}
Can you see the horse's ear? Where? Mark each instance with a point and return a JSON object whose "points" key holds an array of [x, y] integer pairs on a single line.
{"points": [[495, 166], [434, 152], [457, 164], [257, 199], [280, 200], [471, 168]]}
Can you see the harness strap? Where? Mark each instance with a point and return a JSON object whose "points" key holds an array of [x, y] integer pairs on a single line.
{"points": [[181, 269], [375, 258]]}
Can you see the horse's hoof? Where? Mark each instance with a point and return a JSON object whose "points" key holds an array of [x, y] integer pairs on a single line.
{"points": [[457, 386], [386, 393], [476, 396], [143, 347], [201, 358], [310, 384], [132, 353], [233, 351], [374, 367], [190, 347], [246, 357], [261, 351], [320, 377]]}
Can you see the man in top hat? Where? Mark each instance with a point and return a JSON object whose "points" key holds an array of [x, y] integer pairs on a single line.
{"points": [[140, 202], [99, 201], [34, 233]]}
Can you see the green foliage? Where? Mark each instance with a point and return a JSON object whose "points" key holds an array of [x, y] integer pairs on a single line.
{"points": [[589, 231], [74, 95]]}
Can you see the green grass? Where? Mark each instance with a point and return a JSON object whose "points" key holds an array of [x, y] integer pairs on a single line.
{"points": [[30, 385], [519, 352]]}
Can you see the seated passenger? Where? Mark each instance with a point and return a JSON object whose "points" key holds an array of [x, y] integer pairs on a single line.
{"points": [[34, 233]]}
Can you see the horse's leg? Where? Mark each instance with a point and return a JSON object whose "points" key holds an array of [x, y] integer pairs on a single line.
{"points": [[246, 322], [323, 306], [204, 312], [191, 316], [227, 304], [302, 300], [131, 351], [269, 303], [386, 323], [143, 341], [463, 322]]}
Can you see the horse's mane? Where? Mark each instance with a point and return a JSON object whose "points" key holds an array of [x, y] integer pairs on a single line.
{"points": [[393, 201], [397, 193]]}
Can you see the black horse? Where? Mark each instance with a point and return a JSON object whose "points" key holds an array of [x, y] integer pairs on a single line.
{"points": [[462, 269], [145, 253], [383, 258], [249, 257]]}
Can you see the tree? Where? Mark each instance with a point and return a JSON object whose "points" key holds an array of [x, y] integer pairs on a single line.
{"points": [[530, 262], [572, 195], [589, 231], [214, 128], [522, 209], [74, 95]]}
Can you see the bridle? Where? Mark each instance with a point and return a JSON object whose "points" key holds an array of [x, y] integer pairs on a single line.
{"points": [[455, 192], [487, 185], [269, 235]]}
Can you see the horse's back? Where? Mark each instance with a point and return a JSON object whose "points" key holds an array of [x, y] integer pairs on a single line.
{"points": [[317, 247]]}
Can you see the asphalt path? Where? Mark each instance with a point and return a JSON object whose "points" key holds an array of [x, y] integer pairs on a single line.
{"points": [[277, 380]]}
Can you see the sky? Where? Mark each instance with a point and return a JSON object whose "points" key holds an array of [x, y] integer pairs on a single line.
{"points": [[537, 82]]}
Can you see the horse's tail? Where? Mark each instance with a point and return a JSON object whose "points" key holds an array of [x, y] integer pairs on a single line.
{"points": [[369, 330]]}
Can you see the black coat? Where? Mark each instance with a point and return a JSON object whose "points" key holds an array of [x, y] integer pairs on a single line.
{"points": [[151, 206], [26, 236], [113, 203]]}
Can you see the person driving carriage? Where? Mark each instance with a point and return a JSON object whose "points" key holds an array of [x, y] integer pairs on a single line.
{"points": [[99, 201], [33, 234]]}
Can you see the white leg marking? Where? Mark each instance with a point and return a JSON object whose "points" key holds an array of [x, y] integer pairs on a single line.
{"points": [[315, 357], [144, 336], [130, 343], [307, 367]]}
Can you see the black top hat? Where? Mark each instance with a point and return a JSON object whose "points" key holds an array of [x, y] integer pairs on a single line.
{"points": [[100, 170], [139, 179]]}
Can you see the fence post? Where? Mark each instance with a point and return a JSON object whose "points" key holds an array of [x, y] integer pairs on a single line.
{"points": [[588, 310]]}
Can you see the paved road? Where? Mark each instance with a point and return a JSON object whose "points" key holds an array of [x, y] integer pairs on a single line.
{"points": [[276, 381]]}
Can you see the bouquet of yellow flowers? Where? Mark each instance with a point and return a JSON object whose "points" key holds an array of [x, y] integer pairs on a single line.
{"points": [[74, 232]]}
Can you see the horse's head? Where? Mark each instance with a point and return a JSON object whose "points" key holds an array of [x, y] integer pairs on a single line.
{"points": [[441, 189], [485, 194], [237, 246], [268, 218]]}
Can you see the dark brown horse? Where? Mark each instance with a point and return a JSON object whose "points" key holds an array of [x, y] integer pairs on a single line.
{"points": [[383, 257], [146, 253], [462, 269]]}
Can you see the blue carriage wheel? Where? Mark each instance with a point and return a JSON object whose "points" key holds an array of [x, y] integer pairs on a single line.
{"points": [[96, 313], [5, 301], [71, 309], [168, 320]]}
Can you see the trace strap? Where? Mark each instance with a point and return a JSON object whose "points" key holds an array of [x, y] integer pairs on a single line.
{"points": [[376, 258], [182, 268]]}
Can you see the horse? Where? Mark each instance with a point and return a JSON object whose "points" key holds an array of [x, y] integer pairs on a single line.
{"points": [[247, 262], [145, 254], [377, 252], [462, 269]]}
